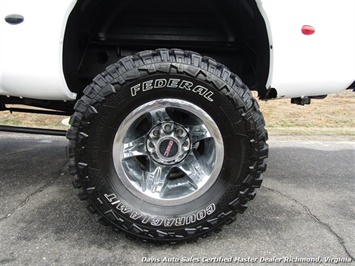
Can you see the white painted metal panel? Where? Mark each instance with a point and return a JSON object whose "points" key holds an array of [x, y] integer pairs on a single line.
{"points": [[31, 52], [317, 64]]}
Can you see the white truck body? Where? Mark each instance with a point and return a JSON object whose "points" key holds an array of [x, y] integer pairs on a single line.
{"points": [[31, 52], [317, 64], [300, 65]]}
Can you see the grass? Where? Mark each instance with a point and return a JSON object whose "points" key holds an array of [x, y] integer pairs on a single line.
{"points": [[332, 116], [31, 120]]}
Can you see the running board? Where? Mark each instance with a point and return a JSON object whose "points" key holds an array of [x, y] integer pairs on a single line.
{"points": [[29, 130]]}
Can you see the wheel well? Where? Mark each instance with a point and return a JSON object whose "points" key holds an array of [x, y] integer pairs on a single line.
{"points": [[100, 32]]}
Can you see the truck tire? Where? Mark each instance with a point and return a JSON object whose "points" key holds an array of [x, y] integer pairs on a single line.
{"points": [[167, 145]]}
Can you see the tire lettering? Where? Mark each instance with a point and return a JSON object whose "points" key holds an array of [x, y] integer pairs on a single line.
{"points": [[118, 206], [159, 221], [115, 202], [134, 89], [201, 215], [200, 90], [125, 209], [156, 222], [135, 215], [146, 220], [186, 85], [110, 197], [148, 85], [210, 209], [191, 219], [173, 84], [160, 83], [203, 92], [180, 221], [169, 222], [208, 96]]}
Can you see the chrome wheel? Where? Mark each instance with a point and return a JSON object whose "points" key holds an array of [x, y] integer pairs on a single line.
{"points": [[168, 152]]}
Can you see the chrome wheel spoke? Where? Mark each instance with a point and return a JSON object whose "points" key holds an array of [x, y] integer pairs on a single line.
{"points": [[175, 187], [193, 169], [198, 133], [135, 148], [134, 170], [156, 177], [159, 116]]}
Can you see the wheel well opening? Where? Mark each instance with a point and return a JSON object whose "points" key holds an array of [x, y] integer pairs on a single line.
{"points": [[101, 32]]}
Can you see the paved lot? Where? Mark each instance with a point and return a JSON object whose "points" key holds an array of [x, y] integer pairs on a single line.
{"points": [[305, 210]]}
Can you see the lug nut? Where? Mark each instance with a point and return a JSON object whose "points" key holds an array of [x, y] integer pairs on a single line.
{"points": [[156, 133], [180, 132], [151, 145], [167, 128]]}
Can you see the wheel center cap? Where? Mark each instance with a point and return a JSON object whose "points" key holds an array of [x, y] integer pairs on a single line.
{"points": [[168, 143], [168, 148]]}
